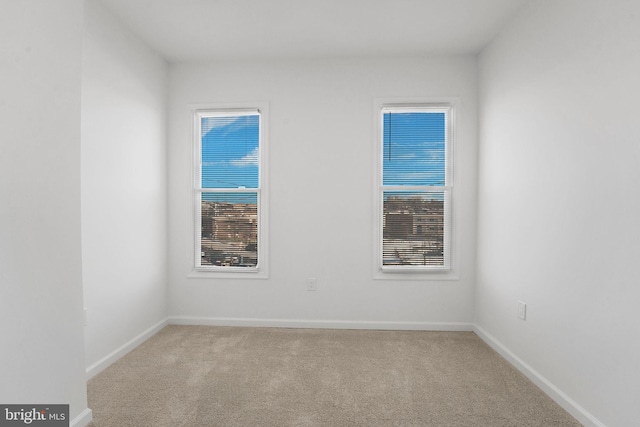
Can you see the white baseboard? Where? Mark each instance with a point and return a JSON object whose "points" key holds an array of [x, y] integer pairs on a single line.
{"points": [[568, 404], [83, 419], [319, 324], [103, 363]]}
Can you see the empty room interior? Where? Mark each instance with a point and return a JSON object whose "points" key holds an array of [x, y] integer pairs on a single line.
{"points": [[104, 239]]}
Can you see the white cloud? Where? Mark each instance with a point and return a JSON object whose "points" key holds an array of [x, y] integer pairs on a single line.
{"points": [[218, 122], [250, 159]]}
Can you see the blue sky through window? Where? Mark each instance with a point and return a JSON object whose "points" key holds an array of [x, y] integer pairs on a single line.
{"points": [[236, 198], [414, 148], [230, 156]]}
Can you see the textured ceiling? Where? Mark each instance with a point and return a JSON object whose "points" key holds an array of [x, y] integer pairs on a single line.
{"points": [[206, 30]]}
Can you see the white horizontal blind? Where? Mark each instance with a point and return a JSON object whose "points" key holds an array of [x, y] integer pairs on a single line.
{"points": [[415, 190], [228, 190]]}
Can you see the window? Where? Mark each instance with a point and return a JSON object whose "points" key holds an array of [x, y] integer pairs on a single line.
{"points": [[228, 191], [414, 188]]}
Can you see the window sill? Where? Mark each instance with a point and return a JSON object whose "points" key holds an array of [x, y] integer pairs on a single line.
{"points": [[249, 273], [415, 275]]}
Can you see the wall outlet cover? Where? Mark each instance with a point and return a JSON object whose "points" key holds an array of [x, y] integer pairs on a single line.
{"points": [[522, 310]]}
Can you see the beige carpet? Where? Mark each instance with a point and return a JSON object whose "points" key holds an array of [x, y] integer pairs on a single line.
{"points": [[222, 376]]}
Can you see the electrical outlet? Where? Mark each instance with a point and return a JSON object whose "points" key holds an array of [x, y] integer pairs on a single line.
{"points": [[522, 310], [312, 284]]}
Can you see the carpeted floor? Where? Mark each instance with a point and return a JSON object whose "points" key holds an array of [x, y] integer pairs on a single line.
{"points": [[223, 376]]}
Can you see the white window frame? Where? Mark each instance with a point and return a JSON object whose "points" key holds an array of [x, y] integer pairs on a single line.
{"points": [[416, 272], [260, 271]]}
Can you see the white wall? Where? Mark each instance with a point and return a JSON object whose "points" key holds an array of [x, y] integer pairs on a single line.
{"points": [[322, 146], [124, 195], [559, 206], [41, 349]]}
